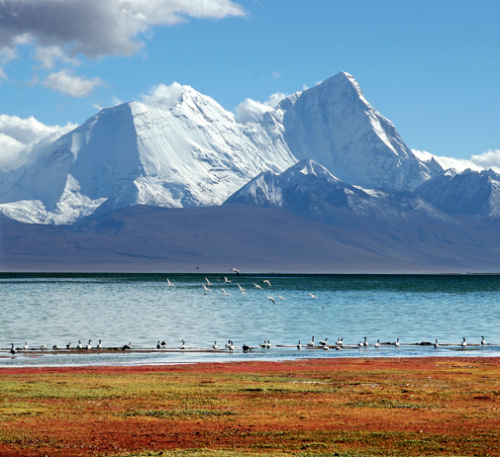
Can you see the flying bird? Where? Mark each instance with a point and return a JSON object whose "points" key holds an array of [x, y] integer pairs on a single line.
{"points": [[313, 296], [225, 293], [226, 281], [169, 283], [257, 286], [236, 271], [281, 298], [267, 282], [271, 299], [205, 287], [208, 282]]}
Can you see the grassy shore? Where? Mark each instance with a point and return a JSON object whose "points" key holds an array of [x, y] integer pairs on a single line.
{"points": [[328, 407]]}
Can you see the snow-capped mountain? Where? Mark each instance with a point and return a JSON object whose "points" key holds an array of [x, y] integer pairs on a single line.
{"points": [[467, 193], [309, 190], [333, 124], [191, 152]]}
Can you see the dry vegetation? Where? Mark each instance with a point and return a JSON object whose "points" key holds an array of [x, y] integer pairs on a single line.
{"points": [[329, 407]]}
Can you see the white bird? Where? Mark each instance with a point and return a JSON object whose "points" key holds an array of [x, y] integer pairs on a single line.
{"points": [[340, 342], [169, 283], [267, 282], [464, 343], [436, 344], [483, 342], [360, 344], [79, 345], [236, 271], [377, 344], [183, 346], [231, 346], [311, 343], [26, 347], [239, 287], [397, 343], [127, 346], [215, 346], [208, 282], [339, 348], [226, 281], [228, 343], [43, 346], [68, 346], [271, 299], [12, 350], [225, 293], [281, 298], [299, 346], [99, 346], [324, 343], [313, 296], [246, 347], [89, 346], [326, 348], [257, 286], [205, 287], [365, 343], [55, 346], [264, 344]]}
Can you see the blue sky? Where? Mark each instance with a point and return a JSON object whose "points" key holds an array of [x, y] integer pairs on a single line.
{"points": [[433, 68]]}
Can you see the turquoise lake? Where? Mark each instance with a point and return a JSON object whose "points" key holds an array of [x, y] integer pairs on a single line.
{"points": [[142, 309]]}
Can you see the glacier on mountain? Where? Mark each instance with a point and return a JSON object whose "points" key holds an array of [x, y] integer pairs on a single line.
{"points": [[188, 151]]}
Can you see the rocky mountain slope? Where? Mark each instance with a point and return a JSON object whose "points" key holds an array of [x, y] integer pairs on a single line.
{"points": [[309, 190]]}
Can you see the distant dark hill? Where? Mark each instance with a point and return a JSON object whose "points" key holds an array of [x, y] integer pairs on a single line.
{"points": [[253, 239]]}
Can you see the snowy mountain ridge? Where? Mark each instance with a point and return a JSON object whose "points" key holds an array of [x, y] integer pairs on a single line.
{"points": [[469, 193], [186, 151]]}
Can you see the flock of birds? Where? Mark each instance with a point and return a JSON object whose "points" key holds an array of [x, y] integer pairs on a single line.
{"points": [[207, 284], [161, 344]]}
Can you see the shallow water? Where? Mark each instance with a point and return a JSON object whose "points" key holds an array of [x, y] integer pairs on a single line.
{"points": [[57, 309]]}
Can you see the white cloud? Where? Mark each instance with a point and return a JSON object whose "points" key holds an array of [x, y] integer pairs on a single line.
{"points": [[98, 28], [488, 159], [275, 75], [165, 96], [252, 110], [484, 161], [19, 137], [305, 87], [67, 83], [49, 55]]}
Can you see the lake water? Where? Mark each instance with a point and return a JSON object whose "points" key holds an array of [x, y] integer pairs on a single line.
{"points": [[143, 308]]}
